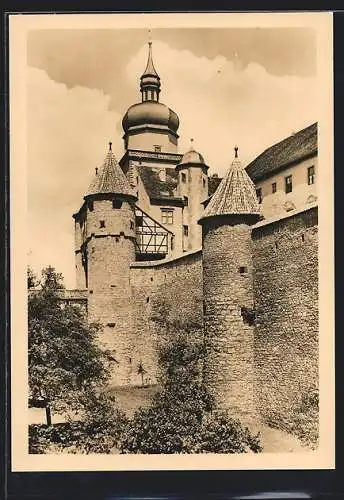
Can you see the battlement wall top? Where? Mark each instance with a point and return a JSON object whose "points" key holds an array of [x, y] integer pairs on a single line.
{"points": [[167, 262]]}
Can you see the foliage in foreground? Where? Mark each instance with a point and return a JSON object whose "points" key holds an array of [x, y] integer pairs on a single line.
{"points": [[182, 417], [65, 359], [68, 368], [98, 431]]}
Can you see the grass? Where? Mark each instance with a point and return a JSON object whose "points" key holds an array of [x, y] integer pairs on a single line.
{"points": [[130, 399]]}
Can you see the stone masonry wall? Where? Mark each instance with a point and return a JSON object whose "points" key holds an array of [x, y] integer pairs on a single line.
{"points": [[166, 295], [285, 255], [227, 269]]}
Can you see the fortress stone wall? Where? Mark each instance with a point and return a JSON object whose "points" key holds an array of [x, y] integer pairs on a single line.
{"points": [[285, 256], [260, 281], [167, 296]]}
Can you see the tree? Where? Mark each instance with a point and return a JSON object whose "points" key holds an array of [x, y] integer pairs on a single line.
{"points": [[183, 417], [31, 278], [65, 359], [141, 371]]}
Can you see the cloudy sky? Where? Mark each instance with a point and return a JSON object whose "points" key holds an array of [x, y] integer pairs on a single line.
{"points": [[250, 87]]}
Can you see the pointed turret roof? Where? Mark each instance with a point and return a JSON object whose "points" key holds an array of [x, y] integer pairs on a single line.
{"points": [[150, 70], [236, 194], [110, 178]]}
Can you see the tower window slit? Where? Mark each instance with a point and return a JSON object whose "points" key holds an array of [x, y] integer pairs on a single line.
{"points": [[117, 204]]}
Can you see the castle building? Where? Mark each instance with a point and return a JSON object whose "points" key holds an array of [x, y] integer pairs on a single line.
{"points": [[285, 174], [158, 243]]}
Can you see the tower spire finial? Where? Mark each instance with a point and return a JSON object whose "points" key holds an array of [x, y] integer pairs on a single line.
{"points": [[110, 146], [150, 37], [150, 80], [236, 151], [191, 143]]}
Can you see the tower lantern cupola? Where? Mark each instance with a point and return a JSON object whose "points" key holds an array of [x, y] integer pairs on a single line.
{"points": [[150, 80]]}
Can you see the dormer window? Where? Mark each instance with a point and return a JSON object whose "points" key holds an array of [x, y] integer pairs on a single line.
{"points": [[157, 149]]}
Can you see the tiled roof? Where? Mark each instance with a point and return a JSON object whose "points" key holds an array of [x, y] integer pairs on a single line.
{"points": [[155, 186], [110, 179], [292, 149], [235, 195]]}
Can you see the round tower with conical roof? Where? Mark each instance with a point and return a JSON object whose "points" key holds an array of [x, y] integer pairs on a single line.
{"points": [[228, 291], [105, 248], [193, 188]]}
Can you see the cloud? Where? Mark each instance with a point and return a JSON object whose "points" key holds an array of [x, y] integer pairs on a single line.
{"points": [[221, 103], [68, 131]]}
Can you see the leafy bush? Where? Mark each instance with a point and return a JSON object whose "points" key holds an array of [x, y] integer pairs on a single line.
{"points": [[98, 431], [159, 430], [181, 418]]}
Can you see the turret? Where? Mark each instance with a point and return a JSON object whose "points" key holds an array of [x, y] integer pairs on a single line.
{"points": [[228, 291], [193, 187], [106, 228], [150, 125]]}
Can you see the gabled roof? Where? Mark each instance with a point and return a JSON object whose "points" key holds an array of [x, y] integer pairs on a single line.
{"points": [[110, 179], [236, 195], [155, 186], [297, 147]]}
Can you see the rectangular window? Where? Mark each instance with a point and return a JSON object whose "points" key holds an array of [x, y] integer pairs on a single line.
{"points": [[166, 216], [186, 201], [186, 230], [157, 149], [102, 223], [274, 187], [183, 177], [288, 184], [259, 194], [311, 175], [90, 206]]}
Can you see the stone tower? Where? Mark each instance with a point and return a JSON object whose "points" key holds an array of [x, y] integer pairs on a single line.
{"points": [[228, 291], [193, 188], [105, 248], [150, 125]]}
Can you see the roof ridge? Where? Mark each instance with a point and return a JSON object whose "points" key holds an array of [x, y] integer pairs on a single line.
{"points": [[110, 178], [235, 195]]}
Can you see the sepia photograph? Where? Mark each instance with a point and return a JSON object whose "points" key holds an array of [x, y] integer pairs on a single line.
{"points": [[171, 241]]}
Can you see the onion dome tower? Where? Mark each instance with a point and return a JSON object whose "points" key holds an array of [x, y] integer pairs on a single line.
{"points": [[105, 248], [150, 124], [193, 188], [228, 291]]}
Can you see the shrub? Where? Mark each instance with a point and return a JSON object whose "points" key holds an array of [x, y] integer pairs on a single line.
{"points": [[181, 418], [160, 430], [99, 430]]}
